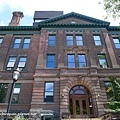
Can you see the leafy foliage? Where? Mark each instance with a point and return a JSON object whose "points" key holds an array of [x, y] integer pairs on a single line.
{"points": [[114, 106], [19, 117], [112, 8]]}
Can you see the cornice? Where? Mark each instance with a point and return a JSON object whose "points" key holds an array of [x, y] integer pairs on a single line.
{"points": [[113, 28], [73, 25], [19, 28]]}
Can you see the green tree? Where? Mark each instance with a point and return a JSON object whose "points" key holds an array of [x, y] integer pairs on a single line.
{"points": [[114, 106], [112, 8]]}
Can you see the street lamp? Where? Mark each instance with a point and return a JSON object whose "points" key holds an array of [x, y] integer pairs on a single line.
{"points": [[15, 76]]}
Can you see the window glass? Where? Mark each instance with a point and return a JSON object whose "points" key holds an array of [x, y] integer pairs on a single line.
{"points": [[116, 42], [109, 91], [97, 40], [69, 39], [102, 61], [16, 43], [49, 92], [71, 60], [51, 40], [22, 62], [79, 40], [26, 43], [11, 63], [50, 61], [82, 60], [3, 92], [16, 92], [1, 39]]}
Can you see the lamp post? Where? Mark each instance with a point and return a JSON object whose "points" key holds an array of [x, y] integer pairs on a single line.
{"points": [[15, 76]]}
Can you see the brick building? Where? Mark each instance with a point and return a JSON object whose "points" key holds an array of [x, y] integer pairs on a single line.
{"points": [[66, 61]]}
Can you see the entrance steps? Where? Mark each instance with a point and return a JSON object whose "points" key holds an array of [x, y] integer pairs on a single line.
{"points": [[83, 119]]}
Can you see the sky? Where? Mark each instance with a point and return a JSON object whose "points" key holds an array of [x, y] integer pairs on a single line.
{"points": [[89, 8]]}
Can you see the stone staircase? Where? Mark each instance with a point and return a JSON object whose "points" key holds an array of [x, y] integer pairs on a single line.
{"points": [[83, 119]]}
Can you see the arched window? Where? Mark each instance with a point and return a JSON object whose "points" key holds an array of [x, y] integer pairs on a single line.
{"points": [[79, 90]]}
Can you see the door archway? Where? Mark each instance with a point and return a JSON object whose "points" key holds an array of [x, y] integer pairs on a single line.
{"points": [[80, 102]]}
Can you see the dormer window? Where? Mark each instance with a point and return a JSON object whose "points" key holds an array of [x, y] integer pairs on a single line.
{"points": [[73, 22]]}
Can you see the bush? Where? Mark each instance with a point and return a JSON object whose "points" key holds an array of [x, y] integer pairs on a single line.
{"points": [[19, 117]]}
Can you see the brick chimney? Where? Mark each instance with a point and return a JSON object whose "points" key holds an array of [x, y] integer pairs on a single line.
{"points": [[16, 18]]}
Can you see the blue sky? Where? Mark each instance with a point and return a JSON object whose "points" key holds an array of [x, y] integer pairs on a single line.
{"points": [[89, 8]]}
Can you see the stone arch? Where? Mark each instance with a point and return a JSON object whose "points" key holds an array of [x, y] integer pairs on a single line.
{"points": [[86, 83]]}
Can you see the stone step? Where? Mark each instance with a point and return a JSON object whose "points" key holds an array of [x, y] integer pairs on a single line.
{"points": [[83, 119]]}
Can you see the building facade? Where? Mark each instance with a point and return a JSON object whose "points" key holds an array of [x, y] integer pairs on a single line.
{"points": [[65, 60]]}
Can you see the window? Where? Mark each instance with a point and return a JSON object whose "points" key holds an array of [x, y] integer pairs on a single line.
{"points": [[22, 62], [3, 92], [49, 92], [1, 39], [16, 43], [109, 91], [14, 62], [116, 42], [97, 40], [82, 60], [50, 61], [79, 40], [11, 63], [102, 61], [26, 43], [51, 40], [69, 39], [16, 93], [71, 60]]}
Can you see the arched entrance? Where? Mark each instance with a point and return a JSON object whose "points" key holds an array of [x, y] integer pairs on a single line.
{"points": [[80, 101]]}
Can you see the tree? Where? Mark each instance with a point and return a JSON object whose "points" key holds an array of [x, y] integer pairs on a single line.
{"points": [[114, 106], [112, 8]]}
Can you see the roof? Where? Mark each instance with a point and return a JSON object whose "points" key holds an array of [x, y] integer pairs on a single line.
{"points": [[76, 15], [46, 14]]}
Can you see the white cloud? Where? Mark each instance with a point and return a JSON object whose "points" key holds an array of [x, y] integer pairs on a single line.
{"points": [[28, 7]]}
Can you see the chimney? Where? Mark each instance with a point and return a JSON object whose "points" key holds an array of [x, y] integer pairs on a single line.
{"points": [[17, 16]]}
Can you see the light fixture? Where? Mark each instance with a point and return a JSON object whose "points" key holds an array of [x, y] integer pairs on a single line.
{"points": [[15, 74]]}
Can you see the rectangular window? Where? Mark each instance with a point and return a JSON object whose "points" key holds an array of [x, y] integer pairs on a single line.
{"points": [[116, 42], [1, 39], [16, 43], [82, 60], [51, 40], [69, 39], [11, 63], [71, 60], [49, 92], [22, 62], [102, 61], [16, 92], [3, 92], [97, 40], [79, 40], [50, 61], [109, 91], [26, 43]]}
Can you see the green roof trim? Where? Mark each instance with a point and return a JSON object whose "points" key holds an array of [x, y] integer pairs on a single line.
{"points": [[18, 28], [114, 28], [73, 14], [72, 25]]}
